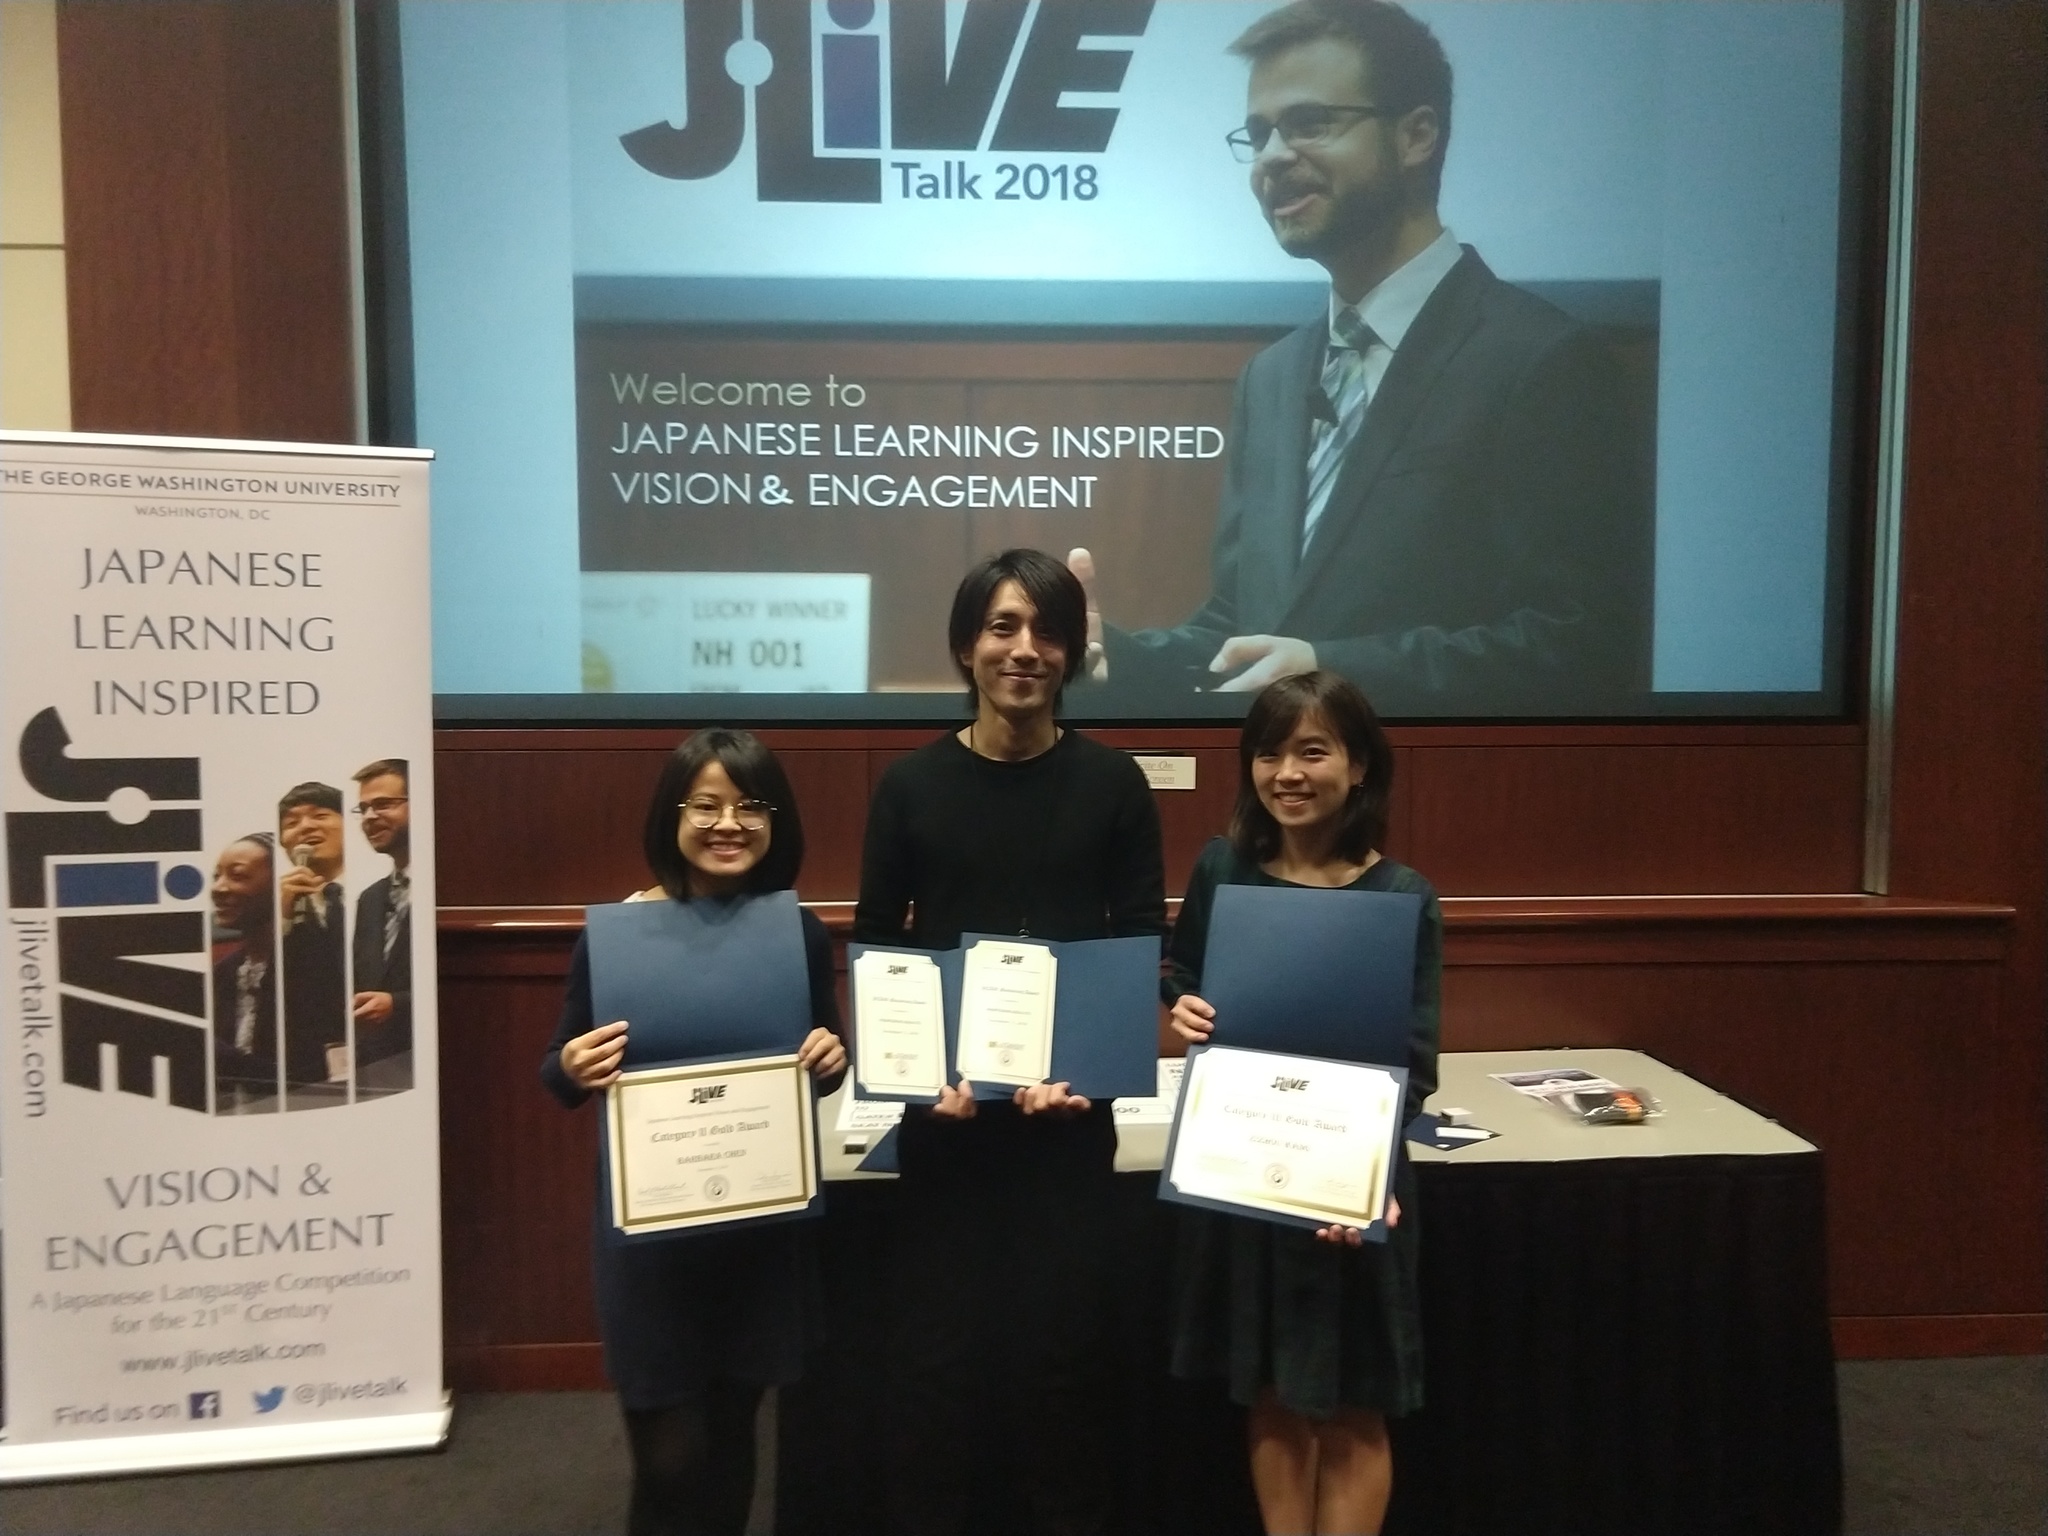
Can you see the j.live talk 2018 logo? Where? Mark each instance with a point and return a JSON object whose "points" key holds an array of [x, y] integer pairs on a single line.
{"points": [[102, 894], [937, 101]]}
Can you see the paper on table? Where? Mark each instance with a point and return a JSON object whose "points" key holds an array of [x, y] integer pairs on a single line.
{"points": [[899, 1023], [1006, 997], [857, 1114], [1549, 1082], [1157, 1110]]}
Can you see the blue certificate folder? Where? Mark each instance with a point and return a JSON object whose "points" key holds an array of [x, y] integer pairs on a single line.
{"points": [[697, 981], [1105, 1014], [1168, 1190], [1313, 973]]}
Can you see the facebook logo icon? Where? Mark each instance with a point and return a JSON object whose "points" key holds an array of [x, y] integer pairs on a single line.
{"points": [[205, 1405]]}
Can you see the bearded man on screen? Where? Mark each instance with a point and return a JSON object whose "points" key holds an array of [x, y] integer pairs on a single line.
{"points": [[1434, 487]]}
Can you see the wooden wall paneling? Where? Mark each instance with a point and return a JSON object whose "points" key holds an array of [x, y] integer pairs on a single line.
{"points": [[291, 234], [518, 1172], [832, 790], [1783, 1007], [548, 827], [1869, 1061], [1968, 815], [1188, 818], [205, 208], [545, 817], [533, 828], [1593, 820], [1401, 809], [148, 217]]}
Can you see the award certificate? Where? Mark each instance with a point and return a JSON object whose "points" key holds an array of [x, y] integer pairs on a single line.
{"points": [[692, 1146], [1292, 1137], [1006, 993], [899, 1023]]}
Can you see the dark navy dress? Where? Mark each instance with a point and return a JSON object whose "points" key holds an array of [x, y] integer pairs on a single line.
{"points": [[738, 1304], [1258, 1304]]}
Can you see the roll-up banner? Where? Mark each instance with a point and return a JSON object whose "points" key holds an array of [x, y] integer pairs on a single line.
{"points": [[218, 1127]]}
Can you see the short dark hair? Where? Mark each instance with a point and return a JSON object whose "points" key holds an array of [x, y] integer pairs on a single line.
{"points": [[1404, 63], [756, 774], [324, 796], [1274, 714], [1053, 589], [395, 766]]}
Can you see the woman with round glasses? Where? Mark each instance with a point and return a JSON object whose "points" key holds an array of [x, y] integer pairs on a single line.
{"points": [[1318, 1334], [696, 1327]]}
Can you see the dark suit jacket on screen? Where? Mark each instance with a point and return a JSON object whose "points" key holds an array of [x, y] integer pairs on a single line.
{"points": [[1486, 548], [377, 971]]}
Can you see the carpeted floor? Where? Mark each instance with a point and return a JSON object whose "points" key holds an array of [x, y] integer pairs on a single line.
{"points": [[1931, 1447]]}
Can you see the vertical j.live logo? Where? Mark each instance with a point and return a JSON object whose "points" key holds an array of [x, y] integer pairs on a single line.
{"points": [[106, 942], [939, 97]]}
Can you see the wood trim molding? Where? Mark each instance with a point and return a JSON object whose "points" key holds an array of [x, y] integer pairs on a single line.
{"points": [[1525, 930], [449, 737], [1937, 1337]]}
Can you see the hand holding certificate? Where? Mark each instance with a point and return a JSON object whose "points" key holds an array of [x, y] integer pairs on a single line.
{"points": [[1293, 1139], [694, 1146], [1004, 1014]]}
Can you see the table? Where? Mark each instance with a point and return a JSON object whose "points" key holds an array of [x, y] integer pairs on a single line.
{"points": [[1626, 1330]]}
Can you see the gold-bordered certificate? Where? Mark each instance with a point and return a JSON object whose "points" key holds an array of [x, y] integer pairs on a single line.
{"points": [[693, 1146], [1293, 1138]]}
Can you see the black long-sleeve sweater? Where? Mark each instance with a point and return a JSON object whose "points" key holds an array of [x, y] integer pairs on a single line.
{"points": [[1060, 846]]}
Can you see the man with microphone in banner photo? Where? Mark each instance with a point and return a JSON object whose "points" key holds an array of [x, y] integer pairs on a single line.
{"points": [[1437, 487], [314, 924]]}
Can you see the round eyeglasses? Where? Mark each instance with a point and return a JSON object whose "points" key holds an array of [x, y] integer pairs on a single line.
{"points": [[752, 815]]}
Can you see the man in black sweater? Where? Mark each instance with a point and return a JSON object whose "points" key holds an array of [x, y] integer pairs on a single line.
{"points": [[1005, 1235]]}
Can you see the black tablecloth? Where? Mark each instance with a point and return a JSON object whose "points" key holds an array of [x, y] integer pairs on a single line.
{"points": [[1634, 1345]]}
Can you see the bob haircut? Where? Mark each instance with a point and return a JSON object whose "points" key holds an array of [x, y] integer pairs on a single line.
{"points": [[758, 776], [1274, 715], [1053, 589]]}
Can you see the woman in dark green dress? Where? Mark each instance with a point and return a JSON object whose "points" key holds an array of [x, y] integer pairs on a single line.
{"points": [[1318, 1334]]}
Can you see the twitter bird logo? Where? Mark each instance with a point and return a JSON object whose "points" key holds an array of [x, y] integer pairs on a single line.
{"points": [[266, 1401]]}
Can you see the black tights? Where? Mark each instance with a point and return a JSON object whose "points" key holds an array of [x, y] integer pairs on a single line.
{"points": [[693, 1464]]}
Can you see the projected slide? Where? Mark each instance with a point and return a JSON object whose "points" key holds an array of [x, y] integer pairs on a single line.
{"points": [[1492, 365]]}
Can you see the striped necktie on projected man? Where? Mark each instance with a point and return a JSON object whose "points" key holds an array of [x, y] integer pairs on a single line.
{"points": [[1346, 389]]}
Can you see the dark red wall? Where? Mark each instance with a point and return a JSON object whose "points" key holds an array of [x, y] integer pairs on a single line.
{"points": [[208, 272]]}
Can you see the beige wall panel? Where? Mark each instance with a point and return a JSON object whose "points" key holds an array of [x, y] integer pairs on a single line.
{"points": [[31, 154], [35, 371]]}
